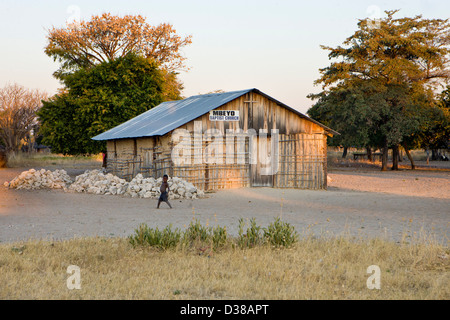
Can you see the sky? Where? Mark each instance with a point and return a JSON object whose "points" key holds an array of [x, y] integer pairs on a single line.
{"points": [[273, 46]]}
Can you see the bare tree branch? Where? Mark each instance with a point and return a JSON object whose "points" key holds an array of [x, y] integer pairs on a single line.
{"points": [[18, 107]]}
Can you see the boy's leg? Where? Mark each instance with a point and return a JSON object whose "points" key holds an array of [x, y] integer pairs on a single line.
{"points": [[169, 204], [159, 202]]}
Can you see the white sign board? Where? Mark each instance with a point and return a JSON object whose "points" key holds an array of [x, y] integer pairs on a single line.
{"points": [[224, 115]]}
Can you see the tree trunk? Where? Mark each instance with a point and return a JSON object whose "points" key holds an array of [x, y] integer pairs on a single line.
{"points": [[3, 159], [434, 154], [413, 166], [344, 154], [105, 160], [384, 159], [395, 157], [369, 153]]}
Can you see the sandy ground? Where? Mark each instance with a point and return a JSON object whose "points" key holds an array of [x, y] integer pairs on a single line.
{"points": [[363, 202]]}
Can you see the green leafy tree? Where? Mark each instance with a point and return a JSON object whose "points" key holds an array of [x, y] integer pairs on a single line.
{"points": [[403, 60], [439, 136], [346, 109], [434, 133], [97, 99]]}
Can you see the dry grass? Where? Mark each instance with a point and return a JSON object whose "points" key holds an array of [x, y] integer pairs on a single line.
{"points": [[327, 268], [21, 160], [315, 268]]}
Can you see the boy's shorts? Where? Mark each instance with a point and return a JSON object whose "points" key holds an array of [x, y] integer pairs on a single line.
{"points": [[164, 197]]}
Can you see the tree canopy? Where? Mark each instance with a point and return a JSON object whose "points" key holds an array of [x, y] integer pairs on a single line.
{"points": [[380, 87], [106, 37], [113, 69], [435, 131], [403, 50], [97, 99]]}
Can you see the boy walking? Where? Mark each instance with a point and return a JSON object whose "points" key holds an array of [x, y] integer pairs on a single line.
{"points": [[164, 192]]}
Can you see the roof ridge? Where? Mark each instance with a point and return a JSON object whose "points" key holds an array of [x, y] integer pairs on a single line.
{"points": [[169, 115], [217, 93]]}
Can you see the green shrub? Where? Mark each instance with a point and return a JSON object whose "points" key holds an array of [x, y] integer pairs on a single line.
{"points": [[251, 237], [280, 234], [196, 232], [219, 236], [140, 236], [161, 239]]}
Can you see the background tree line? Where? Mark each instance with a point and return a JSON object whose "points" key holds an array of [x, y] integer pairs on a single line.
{"points": [[111, 69], [18, 122], [384, 88]]}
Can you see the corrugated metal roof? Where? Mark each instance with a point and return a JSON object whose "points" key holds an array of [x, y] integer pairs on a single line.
{"points": [[169, 115], [172, 114]]}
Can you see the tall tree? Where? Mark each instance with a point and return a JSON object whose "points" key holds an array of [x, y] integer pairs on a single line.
{"points": [[106, 37], [18, 107], [113, 68], [97, 99], [405, 58]]}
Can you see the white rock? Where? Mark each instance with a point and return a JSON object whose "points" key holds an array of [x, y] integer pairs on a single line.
{"points": [[181, 191], [147, 195], [97, 182], [33, 179], [113, 189]]}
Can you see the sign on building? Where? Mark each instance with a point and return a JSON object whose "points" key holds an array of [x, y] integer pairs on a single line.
{"points": [[224, 115]]}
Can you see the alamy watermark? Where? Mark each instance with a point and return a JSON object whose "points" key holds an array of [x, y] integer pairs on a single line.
{"points": [[74, 280], [374, 19], [374, 281], [236, 147], [75, 15]]}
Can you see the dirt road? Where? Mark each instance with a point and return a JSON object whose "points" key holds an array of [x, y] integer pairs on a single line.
{"points": [[364, 203]]}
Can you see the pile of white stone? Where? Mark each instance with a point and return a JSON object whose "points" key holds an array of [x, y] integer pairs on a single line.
{"points": [[40, 179], [97, 182]]}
